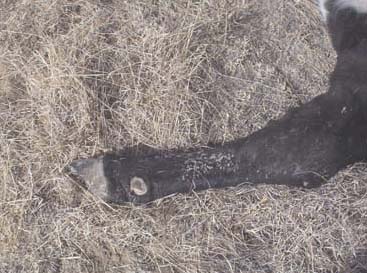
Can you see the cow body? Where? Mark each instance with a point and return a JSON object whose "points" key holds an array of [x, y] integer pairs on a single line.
{"points": [[304, 148]]}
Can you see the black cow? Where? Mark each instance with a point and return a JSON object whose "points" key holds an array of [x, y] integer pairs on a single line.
{"points": [[304, 148]]}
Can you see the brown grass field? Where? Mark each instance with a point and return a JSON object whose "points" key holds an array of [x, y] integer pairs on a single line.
{"points": [[79, 78]]}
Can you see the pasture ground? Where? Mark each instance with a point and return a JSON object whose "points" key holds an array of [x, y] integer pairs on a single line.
{"points": [[78, 78]]}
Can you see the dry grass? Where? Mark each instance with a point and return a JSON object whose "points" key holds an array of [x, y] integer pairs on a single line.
{"points": [[81, 77]]}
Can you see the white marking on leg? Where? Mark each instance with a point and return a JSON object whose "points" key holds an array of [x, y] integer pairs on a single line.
{"points": [[138, 186]]}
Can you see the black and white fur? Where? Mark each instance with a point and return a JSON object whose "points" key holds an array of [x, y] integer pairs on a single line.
{"points": [[359, 6], [304, 148], [346, 21]]}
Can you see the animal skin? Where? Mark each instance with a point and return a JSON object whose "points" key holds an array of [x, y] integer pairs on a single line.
{"points": [[327, 6], [305, 148]]}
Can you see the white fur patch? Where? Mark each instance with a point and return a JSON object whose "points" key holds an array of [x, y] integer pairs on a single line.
{"points": [[359, 5], [324, 11], [138, 186]]}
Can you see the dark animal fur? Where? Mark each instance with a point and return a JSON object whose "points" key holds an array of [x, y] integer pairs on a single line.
{"points": [[304, 148], [347, 27]]}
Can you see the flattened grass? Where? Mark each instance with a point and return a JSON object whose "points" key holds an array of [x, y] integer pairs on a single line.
{"points": [[78, 78]]}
